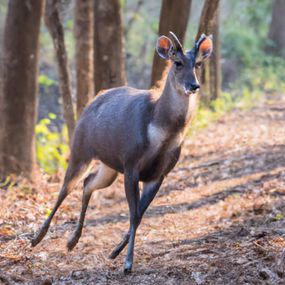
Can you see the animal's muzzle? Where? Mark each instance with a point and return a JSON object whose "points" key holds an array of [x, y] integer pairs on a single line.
{"points": [[193, 88]]}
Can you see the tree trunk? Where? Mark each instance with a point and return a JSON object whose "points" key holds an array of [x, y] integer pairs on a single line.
{"points": [[174, 17], [84, 53], [211, 73], [208, 17], [53, 23], [19, 88], [108, 45], [277, 31], [215, 67]]}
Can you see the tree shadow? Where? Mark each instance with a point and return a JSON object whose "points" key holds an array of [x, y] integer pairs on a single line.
{"points": [[243, 164], [228, 167], [155, 211], [245, 252]]}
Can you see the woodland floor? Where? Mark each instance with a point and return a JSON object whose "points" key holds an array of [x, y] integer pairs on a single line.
{"points": [[219, 217]]}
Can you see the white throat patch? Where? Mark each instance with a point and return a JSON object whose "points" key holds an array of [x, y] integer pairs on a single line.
{"points": [[156, 135]]}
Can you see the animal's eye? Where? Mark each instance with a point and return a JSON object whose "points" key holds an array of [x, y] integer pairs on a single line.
{"points": [[198, 64], [178, 64]]}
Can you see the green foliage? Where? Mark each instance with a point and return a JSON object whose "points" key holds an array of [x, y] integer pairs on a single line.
{"points": [[244, 34], [45, 81], [244, 38], [266, 76], [8, 183], [69, 24], [123, 3], [278, 217], [51, 146], [69, 38], [266, 79], [206, 115], [241, 45], [258, 13], [3, 6]]}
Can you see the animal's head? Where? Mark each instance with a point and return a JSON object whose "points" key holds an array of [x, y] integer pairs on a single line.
{"points": [[185, 63]]}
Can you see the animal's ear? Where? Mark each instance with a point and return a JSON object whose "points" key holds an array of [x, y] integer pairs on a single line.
{"points": [[163, 46], [204, 47]]}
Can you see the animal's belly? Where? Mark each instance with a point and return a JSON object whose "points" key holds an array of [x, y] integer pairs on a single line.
{"points": [[112, 161], [161, 165]]}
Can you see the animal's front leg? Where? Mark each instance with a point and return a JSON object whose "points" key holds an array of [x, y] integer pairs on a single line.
{"points": [[149, 191], [133, 197]]}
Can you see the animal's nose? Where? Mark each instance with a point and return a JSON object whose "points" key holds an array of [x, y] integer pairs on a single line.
{"points": [[195, 86]]}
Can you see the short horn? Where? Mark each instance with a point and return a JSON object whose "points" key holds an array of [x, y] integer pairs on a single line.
{"points": [[200, 40], [177, 44]]}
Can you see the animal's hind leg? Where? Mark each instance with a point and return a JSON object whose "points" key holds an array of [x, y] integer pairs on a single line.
{"points": [[102, 178], [72, 174]]}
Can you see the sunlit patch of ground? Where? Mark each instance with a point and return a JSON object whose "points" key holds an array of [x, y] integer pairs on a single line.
{"points": [[218, 219]]}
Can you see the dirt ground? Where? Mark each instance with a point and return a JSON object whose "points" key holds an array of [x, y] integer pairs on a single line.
{"points": [[218, 218]]}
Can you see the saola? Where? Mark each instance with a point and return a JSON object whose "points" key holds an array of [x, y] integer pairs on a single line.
{"points": [[136, 133]]}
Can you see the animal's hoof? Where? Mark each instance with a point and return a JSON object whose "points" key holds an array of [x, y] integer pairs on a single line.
{"points": [[39, 236], [71, 243], [34, 242], [114, 254], [128, 267], [73, 240]]}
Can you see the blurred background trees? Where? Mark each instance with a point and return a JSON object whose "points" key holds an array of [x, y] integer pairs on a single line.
{"points": [[276, 32], [19, 87], [109, 65], [84, 32], [55, 27], [211, 73], [173, 17], [94, 45]]}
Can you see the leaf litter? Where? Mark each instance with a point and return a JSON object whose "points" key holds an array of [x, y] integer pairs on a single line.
{"points": [[218, 218]]}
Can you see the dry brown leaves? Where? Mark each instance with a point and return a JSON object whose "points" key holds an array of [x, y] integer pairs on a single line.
{"points": [[218, 219]]}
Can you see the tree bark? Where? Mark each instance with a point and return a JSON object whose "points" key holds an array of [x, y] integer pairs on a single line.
{"points": [[211, 72], [54, 25], [208, 17], [19, 87], [215, 66], [109, 64], [84, 53], [276, 31], [174, 17]]}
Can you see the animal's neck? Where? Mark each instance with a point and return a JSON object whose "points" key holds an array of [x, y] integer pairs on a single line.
{"points": [[174, 110]]}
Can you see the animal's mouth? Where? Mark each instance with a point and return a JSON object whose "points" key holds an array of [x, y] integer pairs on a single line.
{"points": [[190, 92]]}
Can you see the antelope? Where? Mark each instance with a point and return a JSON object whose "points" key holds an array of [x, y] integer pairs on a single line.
{"points": [[133, 132]]}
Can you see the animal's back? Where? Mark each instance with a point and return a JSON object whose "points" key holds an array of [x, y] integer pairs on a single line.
{"points": [[113, 120]]}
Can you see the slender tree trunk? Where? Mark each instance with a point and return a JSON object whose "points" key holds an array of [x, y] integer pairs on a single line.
{"points": [[215, 66], [208, 17], [277, 29], [211, 73], [19, 89], [108, 45], [174, 17], [84, 53], [54, 25]]}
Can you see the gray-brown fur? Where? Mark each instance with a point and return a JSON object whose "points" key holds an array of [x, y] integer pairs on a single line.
{"points": [[136, 133]]}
